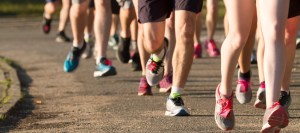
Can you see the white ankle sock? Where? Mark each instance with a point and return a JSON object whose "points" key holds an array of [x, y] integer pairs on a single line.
{"points": [[175, 90]]}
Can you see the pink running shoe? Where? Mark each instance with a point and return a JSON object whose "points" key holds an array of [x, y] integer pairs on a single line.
{"points": [[144, 87], [275, 118], [166, 83], [212, 48], [260, 101], [197, 51], [224, 115]]}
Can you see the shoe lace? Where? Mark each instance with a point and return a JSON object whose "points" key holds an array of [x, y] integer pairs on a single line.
{"points": [[245, 85], [178, 101], [155, 66], [226, 106]]}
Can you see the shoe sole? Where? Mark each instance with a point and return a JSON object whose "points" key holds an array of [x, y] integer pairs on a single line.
{"points": [[103, 74], [259, 104], [145, 94], [278, 119], [182, 112], [165, 90]]}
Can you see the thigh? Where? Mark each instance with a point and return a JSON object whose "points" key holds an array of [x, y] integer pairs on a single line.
{"points": [[240, 14], [154, 10], [273, 16], [189, 5]]}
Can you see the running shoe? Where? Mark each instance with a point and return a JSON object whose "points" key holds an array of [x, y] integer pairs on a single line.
{"points": [[113, 41], [197, 51], [275, 118], [166, 83], [62, 37], [123, 52], [260, 101], [211, 48], [224, 115], [144, 87], [72, 60], [104, 68], [155, 68], [88, 52], [136, 62], [285, 100], [243, 90], [46, 25], [175, 106]]}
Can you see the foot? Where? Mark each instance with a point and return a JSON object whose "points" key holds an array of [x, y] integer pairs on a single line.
{"points": [[175, 106], [144, 87], [197, 51], [224, 115], [104, 68], [155, 68], [166, 83], [123, 52], [275, 118], [113, 41], [243, 90], [136, 62], [260, 101], [285, 100], [88, 52], [72, 60], [212, 48], [62, 37], [46, 25]]}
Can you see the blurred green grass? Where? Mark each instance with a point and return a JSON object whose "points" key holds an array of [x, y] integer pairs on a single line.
{"points": [[21, 7]]}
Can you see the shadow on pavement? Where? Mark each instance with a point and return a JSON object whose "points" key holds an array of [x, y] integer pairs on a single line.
{"points": [[24, 107]]}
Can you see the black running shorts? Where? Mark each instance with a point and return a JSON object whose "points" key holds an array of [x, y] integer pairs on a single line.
{"points": [[159, 10], [294, 9], [115, 8]]}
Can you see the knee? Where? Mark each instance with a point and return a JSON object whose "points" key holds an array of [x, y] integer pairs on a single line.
{"points": [[185, 36], [152, 45], [50, 8], [102, 4], [290, 36], [78, 9], [236, 41]]}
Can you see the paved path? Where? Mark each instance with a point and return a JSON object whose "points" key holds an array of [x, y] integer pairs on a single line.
{"points": [[77, 102]]}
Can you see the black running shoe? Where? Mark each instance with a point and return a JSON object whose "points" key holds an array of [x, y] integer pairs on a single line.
{"points": [[46, 25], [136, 62], [123, 52], [285, 100], [62, 37]]}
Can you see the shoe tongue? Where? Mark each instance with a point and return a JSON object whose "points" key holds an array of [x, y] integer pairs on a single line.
{"points": [[75, 50], [175, 95], [103, 60], [284, 93]]}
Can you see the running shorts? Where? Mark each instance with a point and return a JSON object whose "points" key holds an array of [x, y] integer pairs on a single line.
{"points": [[159, 10], [115, 8], [47, 1], [294, 9], [125, 4]]}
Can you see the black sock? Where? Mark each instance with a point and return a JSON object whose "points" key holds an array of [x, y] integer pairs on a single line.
{"points": [[245, 76]]}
